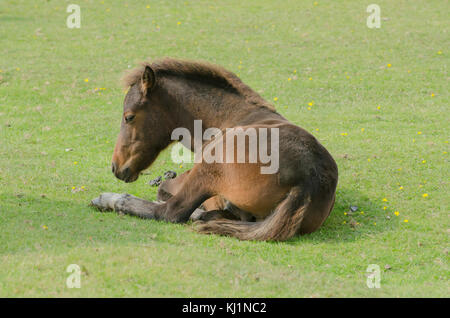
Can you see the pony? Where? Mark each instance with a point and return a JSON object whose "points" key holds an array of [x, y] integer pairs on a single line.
{"points": [[226, 198]]}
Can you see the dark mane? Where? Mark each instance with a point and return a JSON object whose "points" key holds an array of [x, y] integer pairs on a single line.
{"points": [[200, 71]]}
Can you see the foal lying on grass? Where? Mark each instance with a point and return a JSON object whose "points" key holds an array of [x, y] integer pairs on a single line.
{"points": [[229, 197]]}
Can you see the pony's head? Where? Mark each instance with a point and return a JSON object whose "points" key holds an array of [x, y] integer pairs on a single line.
{"points": [[144, 130]]}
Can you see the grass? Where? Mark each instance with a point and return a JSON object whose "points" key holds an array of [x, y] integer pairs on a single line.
{"points": [[380, 105]]}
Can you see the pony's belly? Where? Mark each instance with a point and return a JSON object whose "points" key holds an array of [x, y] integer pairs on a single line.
{"points": [[215, 203], [249, 190], [260, 209]]}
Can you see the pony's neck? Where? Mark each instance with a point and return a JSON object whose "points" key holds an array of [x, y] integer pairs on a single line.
{"points": [[192, 100]]}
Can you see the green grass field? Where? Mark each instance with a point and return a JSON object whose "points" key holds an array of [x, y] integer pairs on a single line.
{"points": [[377, 99]]}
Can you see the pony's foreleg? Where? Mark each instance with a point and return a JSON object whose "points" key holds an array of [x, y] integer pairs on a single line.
{"points": [[177, 209], [180, 207], [127, 204], [170, 187], [188, 194], [187, 198]]}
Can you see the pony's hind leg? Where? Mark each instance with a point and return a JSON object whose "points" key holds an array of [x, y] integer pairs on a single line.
{"points": [[238, 213], [219, 208], [206, 216]]}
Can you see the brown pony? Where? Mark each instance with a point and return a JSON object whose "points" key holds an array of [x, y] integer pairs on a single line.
{"points": [[233, 199]]}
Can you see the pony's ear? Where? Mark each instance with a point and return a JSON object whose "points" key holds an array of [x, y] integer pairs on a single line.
{"points": [[148, 80]]}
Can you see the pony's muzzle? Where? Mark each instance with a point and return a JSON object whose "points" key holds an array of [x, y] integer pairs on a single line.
{"points": [[124, 174], [113, 167]]}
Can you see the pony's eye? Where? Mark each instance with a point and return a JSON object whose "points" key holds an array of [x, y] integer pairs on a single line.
{"points": [[129, 118]]}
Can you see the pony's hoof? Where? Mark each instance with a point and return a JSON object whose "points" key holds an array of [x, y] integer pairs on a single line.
{"points": [[106, 201], [155, 182], [197, 215], [170, 174]]}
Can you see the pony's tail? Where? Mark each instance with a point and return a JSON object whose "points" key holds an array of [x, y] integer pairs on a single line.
{"points": [[282, 224]]}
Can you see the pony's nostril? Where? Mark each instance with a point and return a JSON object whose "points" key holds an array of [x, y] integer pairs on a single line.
{"points": [[113, 167], [126, 172]]}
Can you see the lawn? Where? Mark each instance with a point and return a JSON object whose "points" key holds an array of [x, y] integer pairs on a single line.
{"points": [[377, 99]]}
